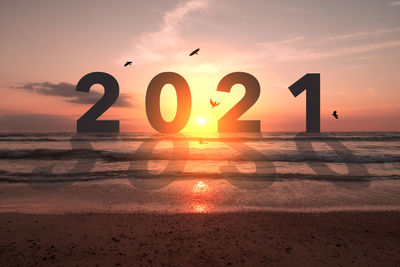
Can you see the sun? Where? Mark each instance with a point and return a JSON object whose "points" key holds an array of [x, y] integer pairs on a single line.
{"points": [[200, 124], [201, 120]]}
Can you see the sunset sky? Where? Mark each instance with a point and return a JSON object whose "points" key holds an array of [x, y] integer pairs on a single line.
{"points": [[47, 46]]}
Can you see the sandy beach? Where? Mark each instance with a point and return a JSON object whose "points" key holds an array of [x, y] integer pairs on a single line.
{"points": [[238, 239]]}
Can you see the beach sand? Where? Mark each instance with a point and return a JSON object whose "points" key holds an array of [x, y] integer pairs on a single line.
{"points": [[218, 239]]}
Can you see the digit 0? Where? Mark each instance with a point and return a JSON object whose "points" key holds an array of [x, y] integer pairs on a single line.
{"points": [[184, 102]]}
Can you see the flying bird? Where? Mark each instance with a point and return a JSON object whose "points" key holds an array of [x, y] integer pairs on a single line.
{"points": [[334, 114], [213, 104], [195, 52], [128, 63]]}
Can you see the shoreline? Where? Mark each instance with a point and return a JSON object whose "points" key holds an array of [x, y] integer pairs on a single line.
{"points": [[204, 239]]}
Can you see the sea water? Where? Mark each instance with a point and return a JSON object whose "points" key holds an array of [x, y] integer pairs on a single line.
{"points": [[67, 172]]}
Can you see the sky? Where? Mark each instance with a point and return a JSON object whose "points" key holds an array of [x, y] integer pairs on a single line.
{"points": [[48, 46]]}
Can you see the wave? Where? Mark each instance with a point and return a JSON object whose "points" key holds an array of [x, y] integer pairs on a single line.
{"points": [[11, 177], [246, 155], [142, 137]]}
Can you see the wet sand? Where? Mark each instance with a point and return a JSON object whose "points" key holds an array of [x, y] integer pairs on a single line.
{"points": [[219, 239]]}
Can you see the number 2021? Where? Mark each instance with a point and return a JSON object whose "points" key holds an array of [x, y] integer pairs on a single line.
{"points": [[228, 123]]}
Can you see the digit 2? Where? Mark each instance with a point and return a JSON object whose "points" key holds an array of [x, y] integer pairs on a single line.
{"points": [[88, 122], [229, 122]]}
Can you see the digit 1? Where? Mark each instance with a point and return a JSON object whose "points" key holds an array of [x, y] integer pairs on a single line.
{"points": [[311, 83]]}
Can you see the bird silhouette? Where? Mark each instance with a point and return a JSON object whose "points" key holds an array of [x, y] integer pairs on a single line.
{"points": [[334, 114], [128, 63], [213, 104], [195, 52]]}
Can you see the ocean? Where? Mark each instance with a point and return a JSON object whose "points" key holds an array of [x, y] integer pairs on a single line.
{"points": [[67, 172]]}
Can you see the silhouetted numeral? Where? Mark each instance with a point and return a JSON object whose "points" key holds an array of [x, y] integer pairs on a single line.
{"points": [[88, 122], [229, 122], [311, 83], [184, 102]]}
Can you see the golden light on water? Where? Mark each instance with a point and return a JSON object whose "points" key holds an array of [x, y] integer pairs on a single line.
{"points": [[200, 187], [200, 209], [201, 198]]}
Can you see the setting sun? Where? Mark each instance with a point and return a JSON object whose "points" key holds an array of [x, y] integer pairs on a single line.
{"points": [[201, 120]]}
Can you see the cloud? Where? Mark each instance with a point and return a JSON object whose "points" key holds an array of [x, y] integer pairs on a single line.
{"points": [[278, 52], [153, 45], [394, 3], [365, 33], [311, 48], [29, 122], [169, 46], [68, 91]]}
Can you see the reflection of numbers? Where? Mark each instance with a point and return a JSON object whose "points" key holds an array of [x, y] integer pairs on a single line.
{"points": [[263, 177], [48, 180], [184, 102], [88, 122], [229, 122], [305, 148], [311, 83], [143, 178]]}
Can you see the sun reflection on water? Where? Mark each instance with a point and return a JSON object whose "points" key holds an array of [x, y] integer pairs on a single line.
{"points": [[201, 198], [201, 187], [200, 209]]}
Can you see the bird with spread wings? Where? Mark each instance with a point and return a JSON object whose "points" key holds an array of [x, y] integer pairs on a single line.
{"points": [[213, 104], [195, 52]]}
